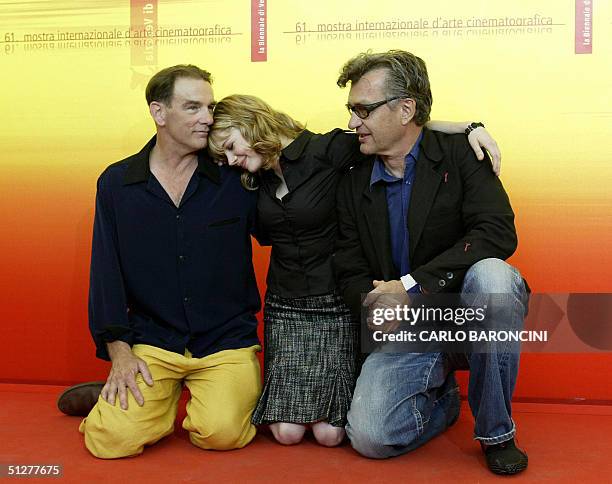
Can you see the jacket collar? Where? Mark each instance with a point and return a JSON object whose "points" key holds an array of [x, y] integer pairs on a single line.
{"points": [[431, 147], [295, 149]]}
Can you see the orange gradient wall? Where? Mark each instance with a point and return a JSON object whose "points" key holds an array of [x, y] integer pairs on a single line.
{"points": [[70, 107]]}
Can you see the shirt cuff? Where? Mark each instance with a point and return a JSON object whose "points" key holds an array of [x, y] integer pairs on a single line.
{"points": [[408, 282], [110, 334]]}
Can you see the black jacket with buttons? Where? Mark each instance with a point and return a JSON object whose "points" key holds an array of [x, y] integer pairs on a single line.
{"points": [[459, 214]]}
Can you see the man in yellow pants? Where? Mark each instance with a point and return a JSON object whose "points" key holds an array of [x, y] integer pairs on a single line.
{"points": [[173, 295]]}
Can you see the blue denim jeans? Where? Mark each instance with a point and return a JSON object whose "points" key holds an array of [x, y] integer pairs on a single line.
{"points": [[403, 400]]}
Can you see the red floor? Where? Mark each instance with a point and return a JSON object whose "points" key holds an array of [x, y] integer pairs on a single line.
{"points": [[566, 443]]}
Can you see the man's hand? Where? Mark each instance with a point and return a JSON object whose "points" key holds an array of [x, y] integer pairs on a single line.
{"points": [[480, 137], [385, 295], [123, 375], [389, 287]]}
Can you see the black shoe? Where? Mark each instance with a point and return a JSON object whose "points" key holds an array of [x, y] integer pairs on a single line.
{"points": [[505, 458], [78, 400]]}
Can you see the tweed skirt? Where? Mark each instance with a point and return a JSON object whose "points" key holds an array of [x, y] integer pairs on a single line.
{"points": [[311, 349]]}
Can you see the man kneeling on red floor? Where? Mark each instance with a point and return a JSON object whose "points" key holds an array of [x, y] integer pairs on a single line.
{"points": [[172, 295], [423, 215]]}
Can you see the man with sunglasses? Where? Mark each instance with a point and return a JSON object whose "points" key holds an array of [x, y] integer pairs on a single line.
{"points": [[423, 216]]}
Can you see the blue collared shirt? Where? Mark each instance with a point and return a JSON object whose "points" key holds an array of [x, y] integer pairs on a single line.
{"points": [[167, 276], [398, 192]]}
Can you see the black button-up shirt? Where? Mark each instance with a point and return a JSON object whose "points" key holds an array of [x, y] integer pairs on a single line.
{"points": [[171, 277], [302, 226]]}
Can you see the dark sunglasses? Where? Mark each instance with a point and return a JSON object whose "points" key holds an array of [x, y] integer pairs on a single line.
{"points": [[363, 110]]}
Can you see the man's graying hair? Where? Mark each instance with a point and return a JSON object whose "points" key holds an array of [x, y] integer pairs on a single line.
{"points": [[406, 77]]}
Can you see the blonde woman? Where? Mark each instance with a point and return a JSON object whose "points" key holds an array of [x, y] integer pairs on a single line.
{"points": [[311, 342]]}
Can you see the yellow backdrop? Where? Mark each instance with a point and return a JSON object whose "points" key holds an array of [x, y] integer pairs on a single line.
{"points": [[538, 73]]}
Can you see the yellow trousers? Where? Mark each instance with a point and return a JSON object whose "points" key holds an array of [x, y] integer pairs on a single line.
{"points": [[224, 389]]}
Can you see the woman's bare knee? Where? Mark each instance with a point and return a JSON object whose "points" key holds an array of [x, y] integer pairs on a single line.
{"points": [[288, 433]]}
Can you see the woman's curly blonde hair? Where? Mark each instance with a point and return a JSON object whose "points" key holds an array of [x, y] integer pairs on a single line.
{"points": [[260, 125]]}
